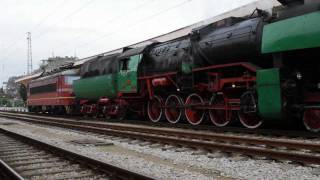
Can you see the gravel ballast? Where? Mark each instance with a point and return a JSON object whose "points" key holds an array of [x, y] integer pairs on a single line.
{"points": [[165, 162]]}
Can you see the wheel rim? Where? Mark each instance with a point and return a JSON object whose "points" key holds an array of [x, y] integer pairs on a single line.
{"points": [[122, 114], [154, 109], [172, 111], [194, 116], [250, 120], [248, 111], [218, 116], [311, 119], [68, 109]]}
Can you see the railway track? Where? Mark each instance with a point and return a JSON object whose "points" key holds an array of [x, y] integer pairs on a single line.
{"points": [[251, 145], [26, 158], [290, 133]]}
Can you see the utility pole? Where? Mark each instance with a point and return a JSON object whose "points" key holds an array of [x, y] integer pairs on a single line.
{"points": [[29, 55]]}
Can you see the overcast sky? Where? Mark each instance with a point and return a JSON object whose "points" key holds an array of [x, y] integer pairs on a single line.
{"points": [[87, 27]]}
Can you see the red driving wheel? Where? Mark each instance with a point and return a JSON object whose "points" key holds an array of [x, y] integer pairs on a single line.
{"points": [[154, 109], [311, 119], [173, 110], [218, 115], [194, 115]]}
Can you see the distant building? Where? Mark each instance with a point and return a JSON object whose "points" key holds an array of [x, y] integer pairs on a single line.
{"points": [[53, 63], [47, 66]]}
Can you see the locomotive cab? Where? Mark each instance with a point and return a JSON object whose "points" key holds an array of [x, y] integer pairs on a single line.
{"points": [[129, 62]]}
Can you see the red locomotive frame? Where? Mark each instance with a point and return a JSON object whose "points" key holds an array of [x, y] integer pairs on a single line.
{"points": [[227, 90]]}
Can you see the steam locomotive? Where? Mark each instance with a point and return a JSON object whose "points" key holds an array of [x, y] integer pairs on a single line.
{"points": [[255, 69]]}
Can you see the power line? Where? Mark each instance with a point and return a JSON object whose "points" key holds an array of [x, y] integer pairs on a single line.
{"points": [[66, 17], [48, 15], [35, 27], [132, 25], [111, 20]]}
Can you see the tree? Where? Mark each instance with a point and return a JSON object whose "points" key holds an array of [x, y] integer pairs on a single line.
{"points": [[12, 88], [23, 92]]}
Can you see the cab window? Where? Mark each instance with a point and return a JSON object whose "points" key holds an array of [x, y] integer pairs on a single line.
{"points": [[124, 64], [69, 79]]}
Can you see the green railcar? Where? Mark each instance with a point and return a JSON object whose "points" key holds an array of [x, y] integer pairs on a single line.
{"points": [[106, 82], [93, 88]]}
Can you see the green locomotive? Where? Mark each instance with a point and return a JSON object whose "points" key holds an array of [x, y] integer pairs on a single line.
{"points": [[255, 69]]}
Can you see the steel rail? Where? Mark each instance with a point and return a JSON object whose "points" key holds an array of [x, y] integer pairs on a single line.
{"points": [[8, 173], [203, 135], [201, 127], [168, 137], [112, 171]]}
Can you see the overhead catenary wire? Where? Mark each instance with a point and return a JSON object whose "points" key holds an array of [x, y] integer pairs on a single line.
{"points": [[129, 26], [42, 21], [65, 18], [39, 24], [141, 20], [78, 10], [133, 10], [46, 17]]}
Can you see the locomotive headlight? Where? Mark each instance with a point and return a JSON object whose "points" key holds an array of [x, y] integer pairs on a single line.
{"points": [[178, 89], [299, 76]]}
